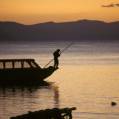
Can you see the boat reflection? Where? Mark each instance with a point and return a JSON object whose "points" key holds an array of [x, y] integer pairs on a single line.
{"points": [[20, 100]]}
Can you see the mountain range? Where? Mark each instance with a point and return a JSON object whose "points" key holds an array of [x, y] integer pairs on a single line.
{"points": [[82, 30]]}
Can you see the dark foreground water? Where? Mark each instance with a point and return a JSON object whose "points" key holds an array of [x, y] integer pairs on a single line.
{"points": [[87, 78]]}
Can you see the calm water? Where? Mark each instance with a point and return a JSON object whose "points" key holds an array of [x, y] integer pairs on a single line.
{"points": [[88, 78]]}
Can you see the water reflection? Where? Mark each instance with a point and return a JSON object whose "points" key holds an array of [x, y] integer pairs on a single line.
{"points": [[56, 97], [19, 100]]}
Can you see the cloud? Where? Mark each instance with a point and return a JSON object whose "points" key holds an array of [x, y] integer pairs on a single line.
{"points": [[117, 4], [111, 5]]}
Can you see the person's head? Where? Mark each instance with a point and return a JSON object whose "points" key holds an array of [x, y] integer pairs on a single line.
{"points": [[58, 50]]}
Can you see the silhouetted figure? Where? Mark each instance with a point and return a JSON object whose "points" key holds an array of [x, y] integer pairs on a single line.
{"points": [[56, 55]]}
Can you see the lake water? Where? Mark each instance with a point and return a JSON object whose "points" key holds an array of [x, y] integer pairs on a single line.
{"points": [[87, 78]]}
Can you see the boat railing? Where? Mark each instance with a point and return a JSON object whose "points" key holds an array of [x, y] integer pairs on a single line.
{"points": [[18, 63]]}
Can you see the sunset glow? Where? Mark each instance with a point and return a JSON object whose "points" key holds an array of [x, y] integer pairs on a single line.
{"points": [[35, 11]]}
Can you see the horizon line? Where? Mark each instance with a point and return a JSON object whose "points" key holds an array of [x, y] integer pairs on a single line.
{"points": [[68, 21]]}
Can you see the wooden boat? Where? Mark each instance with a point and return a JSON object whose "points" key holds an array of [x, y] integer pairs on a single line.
{"points": [[23, 71], [55, 113]]}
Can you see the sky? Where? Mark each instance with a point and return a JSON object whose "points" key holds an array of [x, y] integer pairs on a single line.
{"points": [[38, 11]]}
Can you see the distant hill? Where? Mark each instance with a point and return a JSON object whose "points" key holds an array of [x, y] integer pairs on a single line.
{"points": [[83, 30]]}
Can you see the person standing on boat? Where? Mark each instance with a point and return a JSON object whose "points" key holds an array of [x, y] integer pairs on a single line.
{"points": [[56, 55]]}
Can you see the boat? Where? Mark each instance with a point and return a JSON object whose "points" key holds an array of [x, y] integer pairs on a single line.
{"points": [[55, 113], [23, 71]]}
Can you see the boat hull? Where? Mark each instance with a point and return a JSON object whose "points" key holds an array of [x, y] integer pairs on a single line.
{"points": [[23, 76]]}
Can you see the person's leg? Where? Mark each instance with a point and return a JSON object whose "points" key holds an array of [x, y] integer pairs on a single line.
{"points": [[54, 63], [57, 63]]}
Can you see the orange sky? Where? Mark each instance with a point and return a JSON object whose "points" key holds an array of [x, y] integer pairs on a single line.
{"points": [[36, 11]]}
